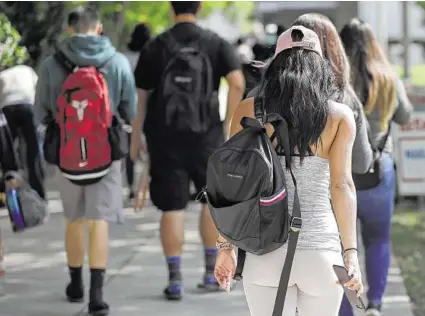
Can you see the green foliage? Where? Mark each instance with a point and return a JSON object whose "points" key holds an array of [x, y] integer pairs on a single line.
{"points": [[154, 13], [38, 22], [417, 74], [11, 53], [408, 240]]}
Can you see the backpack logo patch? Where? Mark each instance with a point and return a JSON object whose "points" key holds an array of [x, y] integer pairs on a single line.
{"points": [[234, 175], [80, 106]]}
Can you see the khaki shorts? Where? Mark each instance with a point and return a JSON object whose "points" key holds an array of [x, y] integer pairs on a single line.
{"points": [[100, 201]]}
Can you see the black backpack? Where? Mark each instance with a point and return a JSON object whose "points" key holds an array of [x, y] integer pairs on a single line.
{"points": [[247, 194], [186, 99]]}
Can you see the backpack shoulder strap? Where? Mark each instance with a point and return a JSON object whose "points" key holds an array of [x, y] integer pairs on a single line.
{"points": [[259, 113], [383, 142], [259, 108], [282, 133], [170, 42], [64, 61], [70, 66], [295, 227]]}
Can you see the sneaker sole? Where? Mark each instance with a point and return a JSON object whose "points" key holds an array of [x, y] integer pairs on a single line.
{"points": [[210, 288], [173, 297], [103, 312], [75, 300]]}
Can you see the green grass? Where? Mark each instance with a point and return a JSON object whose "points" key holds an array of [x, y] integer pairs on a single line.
{"points": [[408, 240], [417, 74]]}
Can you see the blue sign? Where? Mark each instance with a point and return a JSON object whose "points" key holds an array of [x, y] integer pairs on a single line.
{"points": [[415, 153]]}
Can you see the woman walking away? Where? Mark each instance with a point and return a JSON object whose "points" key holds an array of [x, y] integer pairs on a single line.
{"points": [[299, 85], [333, 51], [385, 100], [140, 36]]}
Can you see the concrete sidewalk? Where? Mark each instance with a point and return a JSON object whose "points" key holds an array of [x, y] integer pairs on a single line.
{"points": [[36, 274]]}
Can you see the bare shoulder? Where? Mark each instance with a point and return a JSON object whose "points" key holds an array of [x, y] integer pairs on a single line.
{"points": [[245, 108], [342, 115]]}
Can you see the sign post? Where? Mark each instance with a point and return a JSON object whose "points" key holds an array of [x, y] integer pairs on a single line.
{"points": [[409, 148]]}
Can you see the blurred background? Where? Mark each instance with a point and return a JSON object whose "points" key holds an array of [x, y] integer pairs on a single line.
{"points": [[31, 30]]}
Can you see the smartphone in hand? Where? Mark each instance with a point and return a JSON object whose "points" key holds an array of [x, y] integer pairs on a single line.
{"points": [[343, 277]]}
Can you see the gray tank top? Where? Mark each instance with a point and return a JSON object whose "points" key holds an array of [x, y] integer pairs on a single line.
{"points": [[320, 230]]}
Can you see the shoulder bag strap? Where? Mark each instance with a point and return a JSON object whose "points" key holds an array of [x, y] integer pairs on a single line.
{"points": [[295, 227], [383, 142], [282, 134]]}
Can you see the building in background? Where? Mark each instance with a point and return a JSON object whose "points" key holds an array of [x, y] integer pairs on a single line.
{"points": [[386, 18]]}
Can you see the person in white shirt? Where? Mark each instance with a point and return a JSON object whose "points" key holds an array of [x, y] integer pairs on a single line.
{"points": [[17, 92]]}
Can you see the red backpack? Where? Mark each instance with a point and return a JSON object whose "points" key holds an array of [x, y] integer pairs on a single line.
{"points": [[84, 118]]}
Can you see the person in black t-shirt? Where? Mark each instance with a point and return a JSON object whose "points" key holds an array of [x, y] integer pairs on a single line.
{"points": [[177, 157]]}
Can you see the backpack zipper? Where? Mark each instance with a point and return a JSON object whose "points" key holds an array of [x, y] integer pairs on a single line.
{"points": [[83, 148]]}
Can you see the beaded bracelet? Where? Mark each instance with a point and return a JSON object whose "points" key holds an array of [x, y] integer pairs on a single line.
{"points": [[224, 246]]}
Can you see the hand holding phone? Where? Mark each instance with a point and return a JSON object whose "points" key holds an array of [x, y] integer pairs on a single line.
{"points": [[343, 277]]}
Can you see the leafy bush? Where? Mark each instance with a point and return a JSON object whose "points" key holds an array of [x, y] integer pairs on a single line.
{"points": [[11, 53], [408, 239]]}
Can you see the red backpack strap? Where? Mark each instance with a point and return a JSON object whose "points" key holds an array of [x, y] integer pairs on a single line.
{"points": [[65, 62], [70, 66]]}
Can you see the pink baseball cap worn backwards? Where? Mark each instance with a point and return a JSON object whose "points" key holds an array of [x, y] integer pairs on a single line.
{"points": [[309, 41]]}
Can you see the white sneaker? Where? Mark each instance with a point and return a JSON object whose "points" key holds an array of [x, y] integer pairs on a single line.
{"points": [[373, 312]]}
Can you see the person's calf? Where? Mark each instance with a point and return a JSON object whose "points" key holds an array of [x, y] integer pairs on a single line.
{"points": [[209, 237], [98, 259], [75, 250], [172, 238]]}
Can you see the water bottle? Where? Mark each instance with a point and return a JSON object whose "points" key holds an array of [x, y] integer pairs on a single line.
{"points": [[14, 208]]}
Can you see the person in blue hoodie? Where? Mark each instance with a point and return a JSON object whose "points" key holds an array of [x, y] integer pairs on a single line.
{"points": [[97, 204]]}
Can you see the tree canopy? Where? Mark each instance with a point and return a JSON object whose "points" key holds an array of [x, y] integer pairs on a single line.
{"points": [[11, 53], [40, 23]]}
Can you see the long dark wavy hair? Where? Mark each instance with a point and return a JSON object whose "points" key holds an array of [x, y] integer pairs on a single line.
{"points": [[298, 85], [372, 75]]}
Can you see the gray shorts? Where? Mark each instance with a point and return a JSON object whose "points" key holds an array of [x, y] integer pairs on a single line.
{"points": [[100, 201]]}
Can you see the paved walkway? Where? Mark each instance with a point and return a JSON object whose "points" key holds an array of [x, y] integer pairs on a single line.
{"points": [[36, 273]]}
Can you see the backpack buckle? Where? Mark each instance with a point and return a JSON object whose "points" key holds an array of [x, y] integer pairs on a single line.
{"points": [[296, 224]]}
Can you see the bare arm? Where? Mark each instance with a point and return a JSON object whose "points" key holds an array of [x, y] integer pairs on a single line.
{"points": [[236, 82], [137, 123], [142, 96], [405, 109], [343, 191]]}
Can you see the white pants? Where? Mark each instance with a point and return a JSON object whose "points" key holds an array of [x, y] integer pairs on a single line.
{"points": [[312, 289]]}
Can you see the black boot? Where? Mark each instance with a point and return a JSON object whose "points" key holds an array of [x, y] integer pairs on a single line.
{"points": [[97, 307], [75, 289]]}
